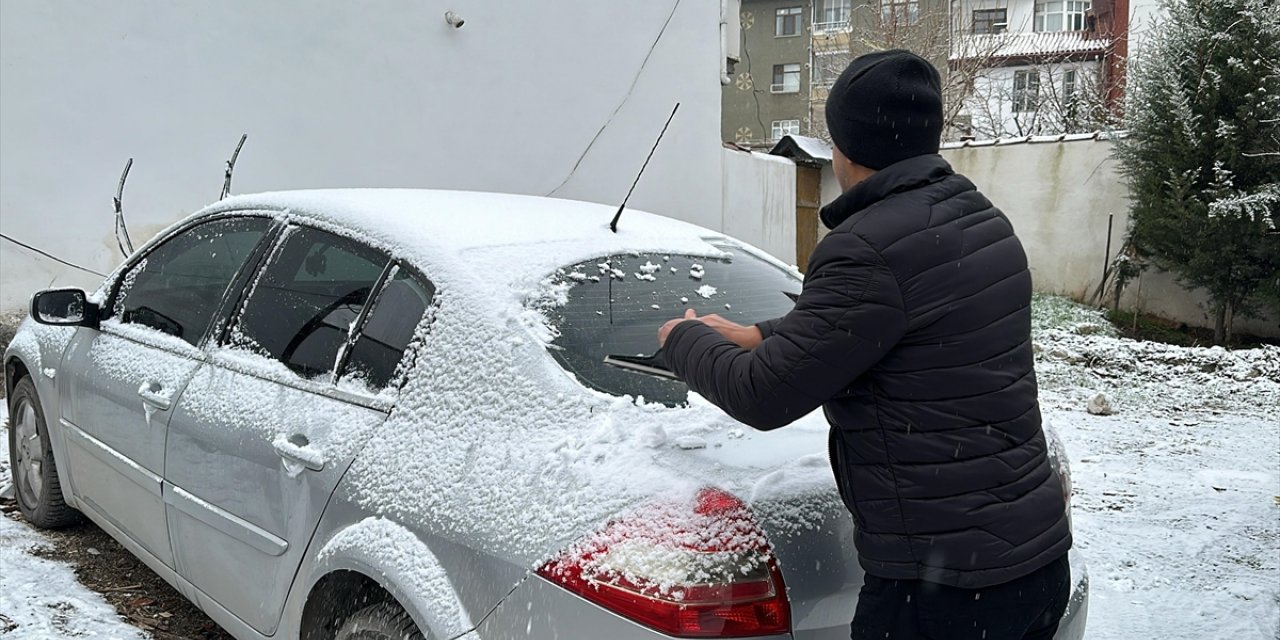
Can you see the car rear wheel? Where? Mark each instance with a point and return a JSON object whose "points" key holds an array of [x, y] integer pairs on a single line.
{"points": [[35, 475], [382, 621]]}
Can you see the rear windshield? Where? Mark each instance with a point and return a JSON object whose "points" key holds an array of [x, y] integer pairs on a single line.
{"points": [[615, 305]]}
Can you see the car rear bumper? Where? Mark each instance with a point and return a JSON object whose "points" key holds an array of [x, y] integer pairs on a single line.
{"points": [[540, 610], [1073, 621]]}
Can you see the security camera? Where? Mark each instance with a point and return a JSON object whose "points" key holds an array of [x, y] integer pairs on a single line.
{"points": [[454, 19]]}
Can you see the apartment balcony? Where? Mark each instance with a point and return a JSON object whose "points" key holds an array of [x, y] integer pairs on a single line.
{"points": [[1030, 45], [832, 27]]}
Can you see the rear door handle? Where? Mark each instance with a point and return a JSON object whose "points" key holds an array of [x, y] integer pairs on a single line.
{"points": [[153, 395], [297, 451]]}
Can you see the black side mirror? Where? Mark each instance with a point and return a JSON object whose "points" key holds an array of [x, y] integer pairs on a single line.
{"points": [[64, 307]]}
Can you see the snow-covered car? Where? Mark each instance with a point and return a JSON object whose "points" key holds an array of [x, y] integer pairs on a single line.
{"points": [[386, 414]]}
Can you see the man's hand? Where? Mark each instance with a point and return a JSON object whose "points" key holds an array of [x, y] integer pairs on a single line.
{"points": [[746, 337]]}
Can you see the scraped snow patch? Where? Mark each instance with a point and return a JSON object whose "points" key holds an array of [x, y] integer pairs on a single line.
{"points": [[706, 291]]}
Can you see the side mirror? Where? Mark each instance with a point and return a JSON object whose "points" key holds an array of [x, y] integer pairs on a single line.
{"points": [[64, 307]]}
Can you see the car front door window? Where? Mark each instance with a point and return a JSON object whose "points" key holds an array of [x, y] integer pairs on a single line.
{"points": [[177, 287]]}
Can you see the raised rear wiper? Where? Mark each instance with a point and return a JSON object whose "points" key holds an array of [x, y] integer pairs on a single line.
{"points": [[795, 297]]}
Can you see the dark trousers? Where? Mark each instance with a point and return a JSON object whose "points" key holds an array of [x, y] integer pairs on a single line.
{"points": [[1028, 608]]}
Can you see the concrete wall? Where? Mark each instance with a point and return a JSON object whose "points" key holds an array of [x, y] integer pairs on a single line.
{"points": [[1058, 196], [760, 202], [340, 94]]}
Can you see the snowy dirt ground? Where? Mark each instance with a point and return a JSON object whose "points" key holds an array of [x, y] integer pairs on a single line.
{"points": [[1176, 507], [41, 598]]}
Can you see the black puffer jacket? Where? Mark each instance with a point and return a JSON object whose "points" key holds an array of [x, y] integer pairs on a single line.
{"points": [[913, 332]]}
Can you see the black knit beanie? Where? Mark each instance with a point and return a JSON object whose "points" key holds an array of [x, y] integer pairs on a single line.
{"points": [[886, 107]]}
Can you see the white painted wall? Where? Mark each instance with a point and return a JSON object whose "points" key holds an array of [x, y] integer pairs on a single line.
{"points": [[1020, 13], [760, 201], [991, 103], [339, 94], [1058, 196]]}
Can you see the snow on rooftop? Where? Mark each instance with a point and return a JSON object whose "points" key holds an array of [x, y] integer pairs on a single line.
{"points": [[814, 148], [1026, 44]]}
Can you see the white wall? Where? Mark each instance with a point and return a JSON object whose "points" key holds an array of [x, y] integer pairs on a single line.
{"points": [[760, 201], [991, 103], [339, 94], [1058, 196], [1020, 13]]}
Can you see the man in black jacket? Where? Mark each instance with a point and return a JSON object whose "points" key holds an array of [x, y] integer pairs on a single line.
{"points": [[913, 333]]}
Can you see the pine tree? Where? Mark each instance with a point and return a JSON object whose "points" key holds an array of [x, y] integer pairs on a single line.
{"points": [[1202, 155]]}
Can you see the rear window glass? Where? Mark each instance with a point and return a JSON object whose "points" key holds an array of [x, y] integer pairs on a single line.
{"points": [[615, 304]]}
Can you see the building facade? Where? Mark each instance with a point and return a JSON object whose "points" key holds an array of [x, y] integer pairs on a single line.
{"points": [[767, 96], [1037, 67], [1009, 67]]}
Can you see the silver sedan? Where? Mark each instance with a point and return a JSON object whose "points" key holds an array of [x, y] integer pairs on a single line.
{"points": [[417, 414]]}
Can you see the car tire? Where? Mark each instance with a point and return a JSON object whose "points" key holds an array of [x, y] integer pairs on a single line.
{"points": [[382, 621], [31, 464]]}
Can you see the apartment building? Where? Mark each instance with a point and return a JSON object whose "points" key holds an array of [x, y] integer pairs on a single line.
{"points": [[1009, 67], [767, 96], [1034, 67]]}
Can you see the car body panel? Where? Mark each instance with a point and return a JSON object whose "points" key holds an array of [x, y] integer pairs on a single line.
{"points": [[118, 393]]}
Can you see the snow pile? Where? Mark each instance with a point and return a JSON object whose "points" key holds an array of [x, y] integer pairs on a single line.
{"points": [[41, 598]]}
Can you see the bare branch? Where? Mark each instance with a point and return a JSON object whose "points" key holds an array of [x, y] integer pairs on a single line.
{"points": [[121, 227], [231, 167]]}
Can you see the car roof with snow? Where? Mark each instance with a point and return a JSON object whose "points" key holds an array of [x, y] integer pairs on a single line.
{"points": [[463, 220]]}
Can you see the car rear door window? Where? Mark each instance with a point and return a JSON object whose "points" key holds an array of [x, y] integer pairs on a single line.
{"points": [[302, 308], [379, 349], [176, 288]]}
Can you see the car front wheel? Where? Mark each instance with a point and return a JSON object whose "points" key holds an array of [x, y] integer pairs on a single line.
{"points": [[35, 476]]}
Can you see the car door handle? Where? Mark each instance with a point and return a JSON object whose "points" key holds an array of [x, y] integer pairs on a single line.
{"points": [[153, 394], [296, 451]]}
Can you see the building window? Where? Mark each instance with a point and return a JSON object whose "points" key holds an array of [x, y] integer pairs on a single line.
{"points": [[1026, 91], [899, 12], [785, 128], [1061, 15], [788, 22], [786, 78], [835, 13], [990, 21], [1069, 85]]}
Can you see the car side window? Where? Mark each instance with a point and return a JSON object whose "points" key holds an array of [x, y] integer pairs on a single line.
{"points": [[302, 307], [399, 307], [177, 286]]}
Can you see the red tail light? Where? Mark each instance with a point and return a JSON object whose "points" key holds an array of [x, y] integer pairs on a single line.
{"points": [[700, 572]]}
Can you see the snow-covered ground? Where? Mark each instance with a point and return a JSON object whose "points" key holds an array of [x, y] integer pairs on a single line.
{"points": [[39, 598], [1177, 495], [1176, 508]]}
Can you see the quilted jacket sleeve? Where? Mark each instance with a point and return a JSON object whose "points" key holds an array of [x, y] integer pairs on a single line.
{"points": [[849, 314]]}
